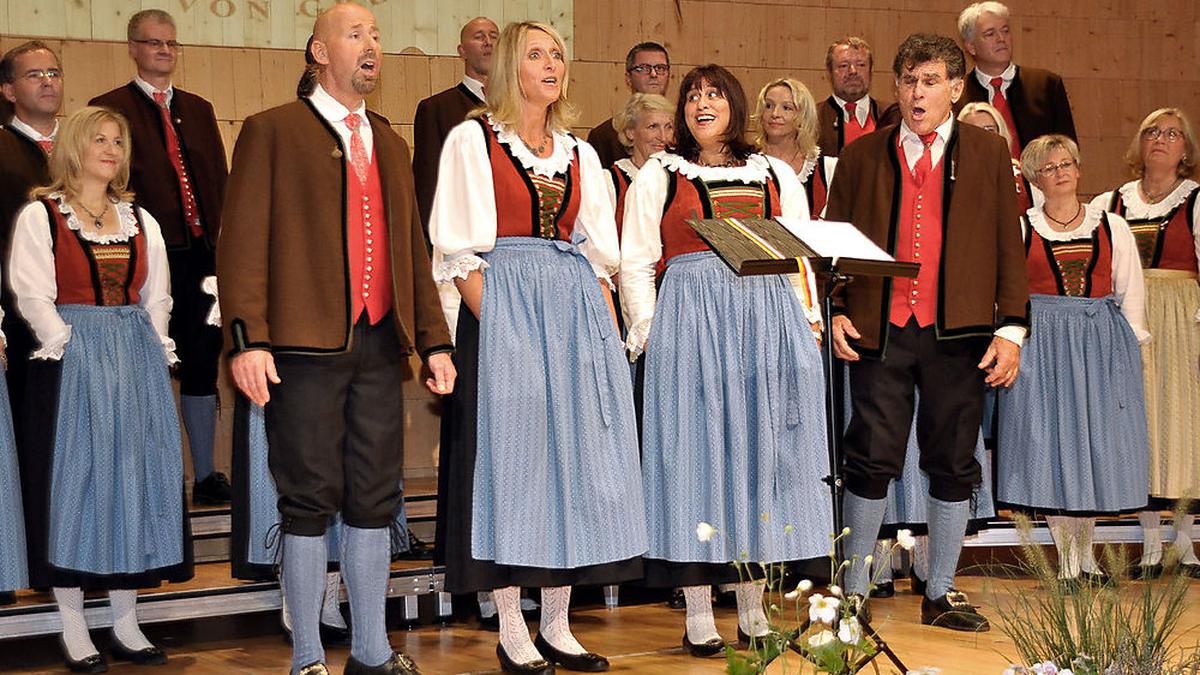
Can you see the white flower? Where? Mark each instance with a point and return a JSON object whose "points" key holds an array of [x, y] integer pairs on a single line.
{"points": [[868, 560], [1044, 668], [850, 631], [822, 609], [835, 590], [906, 539], [705, 532], [792, 595], [804, 586], [1066, 672], [820, 639], [1013, 670], [845, 530], [930, 670]]}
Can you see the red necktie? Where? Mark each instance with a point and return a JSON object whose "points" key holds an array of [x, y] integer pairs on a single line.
{"points": [[1000, 103], [850, 110], [925, 164], [358, 151], [190, 215], [46, 146]]}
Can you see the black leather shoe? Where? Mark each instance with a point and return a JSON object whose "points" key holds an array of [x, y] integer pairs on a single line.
{"points": [[744, 638], [885, 589], [953, 611], [418, 549], [88, 664], [859, 606], [8, 598], [314, 668], [677, 600], [334, 636], [398, 663], [1191, 570], [1146, 571], [918, 584], [150, 656], [212, 491], [586, 662], [539, 667], [704, 649]]}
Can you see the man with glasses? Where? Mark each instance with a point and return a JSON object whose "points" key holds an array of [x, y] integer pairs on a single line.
{"points": [[647, 71], [1032, 101], [849, 112], [178, 173]]}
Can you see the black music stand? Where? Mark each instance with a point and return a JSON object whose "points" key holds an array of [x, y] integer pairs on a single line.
{"points": [[756, 247]]}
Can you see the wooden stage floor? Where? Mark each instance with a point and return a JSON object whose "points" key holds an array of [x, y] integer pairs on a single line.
{"points": [[637, 639]]}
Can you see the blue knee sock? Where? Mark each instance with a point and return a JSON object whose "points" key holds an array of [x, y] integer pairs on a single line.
{"points": [[303, 573], [863, 517], [200, 421], [365, 567], [947, 526]]}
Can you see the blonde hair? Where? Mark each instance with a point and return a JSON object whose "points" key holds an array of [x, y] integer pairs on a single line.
{"points": [[1039, 149], [989, 110], [637, 104], [1187, 165], [66, 160], [806, 114], [504, 96]]}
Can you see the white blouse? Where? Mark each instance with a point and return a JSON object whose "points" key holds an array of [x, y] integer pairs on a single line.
{"points": [[641, 236], [1136, 208], [462, 221], [624, 164], [32, 275], [1128, 285]]}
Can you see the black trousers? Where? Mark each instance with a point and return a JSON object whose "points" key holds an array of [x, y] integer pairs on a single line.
{"points": [[197, 343], [335, 427], [882, 408]]}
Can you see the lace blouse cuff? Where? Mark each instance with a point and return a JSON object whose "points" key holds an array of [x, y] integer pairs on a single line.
{"points": [[603, 275], [458, 268], [635, 340], [169, 349], [52, 349]]}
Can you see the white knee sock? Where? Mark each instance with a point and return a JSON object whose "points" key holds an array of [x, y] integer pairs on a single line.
{"points": [[700, 624], [125, 623], [331, 605], [1151, 524], [555, 627], [74, 629], [514, 635], [1085, 530], [1183, 540], [751, 617], [1062, 529]]}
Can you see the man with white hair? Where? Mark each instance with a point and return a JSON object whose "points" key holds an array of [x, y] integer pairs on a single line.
{"points": [[1033, 101]]}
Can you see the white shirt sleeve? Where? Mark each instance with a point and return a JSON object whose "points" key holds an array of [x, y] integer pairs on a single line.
{"points": [[1196, 237], [595, 218], [793, 203], [1128, 284], [32, 277], [462, 220], [156, 291], [641, 249]]}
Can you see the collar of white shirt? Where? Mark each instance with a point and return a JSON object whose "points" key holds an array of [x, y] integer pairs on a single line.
{"points": [[475, 86], [861, 111], [986, 80], [29, 132], [149, 89], [914, 148], [332, 110]]}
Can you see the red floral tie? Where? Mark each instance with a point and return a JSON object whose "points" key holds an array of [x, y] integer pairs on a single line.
{"points": [[358, 151], [46, 146]]}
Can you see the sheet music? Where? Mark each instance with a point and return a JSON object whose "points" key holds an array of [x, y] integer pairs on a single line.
{"points": [[831, 239]]}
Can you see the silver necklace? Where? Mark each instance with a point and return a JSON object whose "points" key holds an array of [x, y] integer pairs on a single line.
{"points": [[97, 220]]}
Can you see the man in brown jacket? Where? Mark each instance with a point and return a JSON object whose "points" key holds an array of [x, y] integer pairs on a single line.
{"points": [[850, 112], [938, 193], [325, 287], [178, 173]]}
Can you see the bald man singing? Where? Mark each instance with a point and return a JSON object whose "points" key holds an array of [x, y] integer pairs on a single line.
{"points": [[325, 289]]}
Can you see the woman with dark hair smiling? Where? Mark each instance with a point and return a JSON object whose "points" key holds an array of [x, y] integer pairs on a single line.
{"points": [[734, 422]]}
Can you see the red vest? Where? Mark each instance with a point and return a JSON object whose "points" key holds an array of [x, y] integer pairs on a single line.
{"points": [[86, 273], [851, 131], [1076, 268], [718, 199], [918, 239], [1164, 243], [368, 246], [519, 207], [620, 183]]}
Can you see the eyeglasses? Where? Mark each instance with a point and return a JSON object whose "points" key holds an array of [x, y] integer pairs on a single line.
{"points": [[49, 74], [1052, 169], [1171, 135], [159, 44], [645, 68]]}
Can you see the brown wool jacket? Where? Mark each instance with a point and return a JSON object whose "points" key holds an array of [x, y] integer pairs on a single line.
{"points": [[830, 124], [435, 117], [982, 283], [1038, 100], [281, 259]]}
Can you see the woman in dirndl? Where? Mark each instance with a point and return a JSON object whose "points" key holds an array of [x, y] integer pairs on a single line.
{"points": [[1073, 443], [1162, 207], [540, 447], [734, 431], [102, 464], [14, 574], [787, 130]]}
